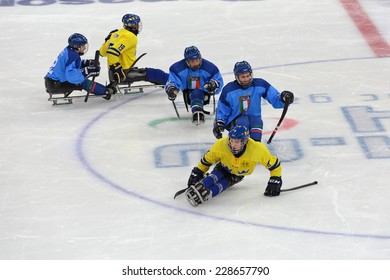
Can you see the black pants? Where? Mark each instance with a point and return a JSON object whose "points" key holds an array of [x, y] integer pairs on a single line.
{"points": [[58, 87]]}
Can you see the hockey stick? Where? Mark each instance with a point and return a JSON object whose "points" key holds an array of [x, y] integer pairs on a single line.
{"points": [[174, 106], [213, 104], [179, 193], [285, 190], [279, 122], [95, 63], [300, 187], [185, 98], [138, 58]]}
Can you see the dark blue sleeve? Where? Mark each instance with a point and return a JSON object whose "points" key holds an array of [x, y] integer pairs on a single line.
{"points": [[214, 73], [176, 74]]}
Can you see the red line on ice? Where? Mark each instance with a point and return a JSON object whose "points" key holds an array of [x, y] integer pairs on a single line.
{"points": [[368, 29]]}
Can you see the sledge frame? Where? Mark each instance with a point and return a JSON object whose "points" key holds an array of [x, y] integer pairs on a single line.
{"points": [[66, 98], [134, 88]]}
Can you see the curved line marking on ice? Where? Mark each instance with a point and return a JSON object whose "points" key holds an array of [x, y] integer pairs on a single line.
{"points": [[81, 139]]}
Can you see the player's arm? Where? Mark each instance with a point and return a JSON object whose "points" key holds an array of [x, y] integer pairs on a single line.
{"points": [[276, 99], [215, 84], [198, 172], [272, 163], [73, 72]]}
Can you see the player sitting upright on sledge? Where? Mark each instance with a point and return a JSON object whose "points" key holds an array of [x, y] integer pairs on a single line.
{"points": [[69, 72], [197, 78], [120, 48], [240, 102], [235, 156]]}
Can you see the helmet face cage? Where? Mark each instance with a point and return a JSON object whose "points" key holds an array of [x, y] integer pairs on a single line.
{"points": [[191, 54], [243, 67], [76, 41], [132, 23], [240, 133]]}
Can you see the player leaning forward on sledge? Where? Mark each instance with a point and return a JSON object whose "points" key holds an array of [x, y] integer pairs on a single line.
{"points": [[234, 156]]}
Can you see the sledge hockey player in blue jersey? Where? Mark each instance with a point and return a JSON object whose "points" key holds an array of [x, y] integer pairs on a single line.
{"points": [[240, 102], [197, 78], [69, 72], [120, 48], [234, 156]]}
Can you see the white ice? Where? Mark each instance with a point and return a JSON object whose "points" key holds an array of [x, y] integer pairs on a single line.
{"points": [[96, 180]]}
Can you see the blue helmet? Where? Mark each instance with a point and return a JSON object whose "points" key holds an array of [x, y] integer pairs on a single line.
{"points": [[243, 67], [191, 53], [239, 133], [132, 23], [77, 40]]}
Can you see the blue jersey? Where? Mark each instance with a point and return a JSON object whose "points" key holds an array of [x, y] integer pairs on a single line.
{"points": [[236, 101], [67, 67], [183, 77]]}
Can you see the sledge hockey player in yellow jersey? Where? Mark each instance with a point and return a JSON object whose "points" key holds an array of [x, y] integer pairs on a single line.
{"points": [[120, 48], [235, 156]]}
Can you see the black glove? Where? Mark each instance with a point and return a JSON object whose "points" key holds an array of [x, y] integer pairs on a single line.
{"points": [[219, 127], [287, 97], [88, 62], [212, 86], [273, 187], [195, 177], [172, 92], [117, 72], [91, 71]]}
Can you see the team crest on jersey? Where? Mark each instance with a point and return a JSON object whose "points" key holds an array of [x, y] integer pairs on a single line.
{"points": [[245, 101], [193, 82]]}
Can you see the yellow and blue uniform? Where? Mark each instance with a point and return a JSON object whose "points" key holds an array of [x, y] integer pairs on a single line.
{"points": [[120, 47], [255, 152], [230, 169]]}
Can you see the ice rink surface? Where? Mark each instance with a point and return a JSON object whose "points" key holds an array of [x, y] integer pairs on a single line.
{"points": [[95, 180]]}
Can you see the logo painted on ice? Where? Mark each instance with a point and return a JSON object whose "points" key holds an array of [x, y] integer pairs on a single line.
{"points": [[365, 123], [364, 120]]}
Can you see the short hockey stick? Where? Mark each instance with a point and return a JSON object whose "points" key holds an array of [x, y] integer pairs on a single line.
{"points": [[135, 61], [95, 63], [185, 98], [285, 190], [300, 187], [179, 193], [279, 122], [213, 104], [174, 106]]}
